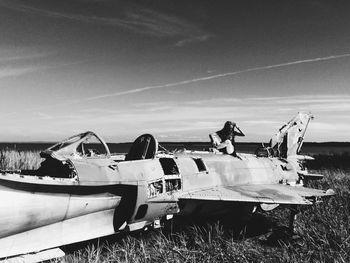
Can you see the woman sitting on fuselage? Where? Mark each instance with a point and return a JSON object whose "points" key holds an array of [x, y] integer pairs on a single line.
{"points": [[224, 140]]}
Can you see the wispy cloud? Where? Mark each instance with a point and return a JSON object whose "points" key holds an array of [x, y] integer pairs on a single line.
{"points": [[259, 118], [217, 76], [261, 122], [137, 19], [43, 116], [13, 56], [6, 72], [193, 39], [16, 71], [15, 62]]}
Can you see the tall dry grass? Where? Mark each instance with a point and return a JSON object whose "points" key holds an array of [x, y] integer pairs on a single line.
{"points": [[12, 159]]}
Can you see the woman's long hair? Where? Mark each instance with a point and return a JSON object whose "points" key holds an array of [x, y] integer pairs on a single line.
{"points": [[226, 133]]}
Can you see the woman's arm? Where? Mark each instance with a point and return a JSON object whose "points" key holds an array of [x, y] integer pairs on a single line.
{"points": [[239, 132]]}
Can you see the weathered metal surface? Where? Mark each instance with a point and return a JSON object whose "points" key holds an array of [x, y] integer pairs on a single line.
{"points": [[57, 234], [262, 193]]}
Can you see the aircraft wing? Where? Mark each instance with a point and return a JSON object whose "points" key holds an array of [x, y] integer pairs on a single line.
{"points": [[263, 193]]}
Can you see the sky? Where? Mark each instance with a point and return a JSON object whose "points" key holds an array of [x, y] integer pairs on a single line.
{"points": [[175, 69]]}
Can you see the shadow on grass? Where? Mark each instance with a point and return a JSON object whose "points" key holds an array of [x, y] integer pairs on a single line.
{"points": [[258, 226], [235, 227]]}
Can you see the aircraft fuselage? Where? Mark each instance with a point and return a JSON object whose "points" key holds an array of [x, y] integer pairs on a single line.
{"points": [[163, 179]]}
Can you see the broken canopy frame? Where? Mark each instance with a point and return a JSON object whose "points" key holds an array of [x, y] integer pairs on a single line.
{"points": [[75, 146]]}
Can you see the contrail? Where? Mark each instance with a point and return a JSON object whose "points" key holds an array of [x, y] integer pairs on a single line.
{"points": [[180, 83], [184, 82]]}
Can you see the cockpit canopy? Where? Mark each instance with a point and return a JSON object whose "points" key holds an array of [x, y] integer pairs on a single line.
{"points": [[87, 144], [83, 156]]}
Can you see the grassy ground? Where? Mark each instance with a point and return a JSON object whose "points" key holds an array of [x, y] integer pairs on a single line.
{"points": [[322, 235], [323, 231]]}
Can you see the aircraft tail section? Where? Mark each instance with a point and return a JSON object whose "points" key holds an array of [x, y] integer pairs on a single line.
{"points": [[289, 138]]}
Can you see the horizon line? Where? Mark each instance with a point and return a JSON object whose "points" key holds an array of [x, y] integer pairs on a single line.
{"points": [[201, 142]]}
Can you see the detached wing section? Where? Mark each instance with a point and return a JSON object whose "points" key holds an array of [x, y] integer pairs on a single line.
{"points": [[264, 193]]}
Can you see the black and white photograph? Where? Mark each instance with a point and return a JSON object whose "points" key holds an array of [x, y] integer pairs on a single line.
{"points": [[174, 131]]}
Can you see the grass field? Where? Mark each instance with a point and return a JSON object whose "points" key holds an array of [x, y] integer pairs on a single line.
{"points": [[322, 235], [322, 231]]}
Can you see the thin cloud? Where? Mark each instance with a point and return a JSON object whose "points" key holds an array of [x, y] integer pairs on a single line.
{"points": [[200, 122], [315, 96], [190, 40], [140, 20], [16, 71], [326, 127], [261, 122], [303, 99], [43, 116], [24, 57], [6, 72], [217, 76], [15, 63]]}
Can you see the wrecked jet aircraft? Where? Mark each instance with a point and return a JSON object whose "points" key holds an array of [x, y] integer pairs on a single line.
{"points": [[82, 192]]}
